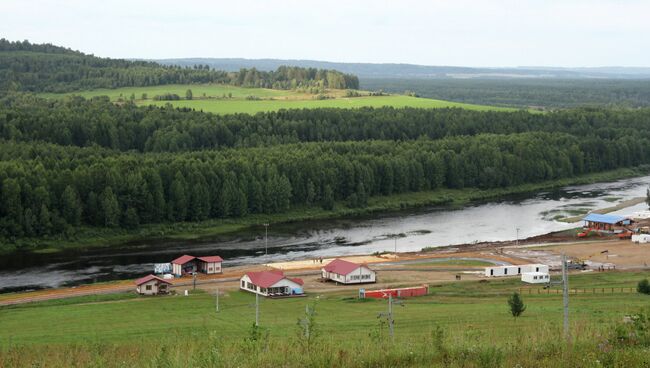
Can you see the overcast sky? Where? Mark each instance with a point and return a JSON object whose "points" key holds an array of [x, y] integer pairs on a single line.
{"points": [[430, 32]]}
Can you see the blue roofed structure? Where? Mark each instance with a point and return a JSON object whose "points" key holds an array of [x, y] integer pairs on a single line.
{"points": [[605, 222]]}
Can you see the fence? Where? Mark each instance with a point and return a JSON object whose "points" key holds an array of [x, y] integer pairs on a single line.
{"points": [[577, 291]]}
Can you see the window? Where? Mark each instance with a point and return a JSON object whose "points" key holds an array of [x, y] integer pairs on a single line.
{"points": [[210, 269], [534, 277], [519, 270], [365, 277], [243, 283], [505, 271], [491, 272], [536, 269], [148, 287]]}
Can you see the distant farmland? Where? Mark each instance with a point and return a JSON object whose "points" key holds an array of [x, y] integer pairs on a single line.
{"points": [[225, 99]]}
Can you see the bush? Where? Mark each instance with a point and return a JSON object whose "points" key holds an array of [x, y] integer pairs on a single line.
{"points": [[643, 287], [517, 306]]}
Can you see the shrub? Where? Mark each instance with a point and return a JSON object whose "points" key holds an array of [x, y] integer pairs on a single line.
{"points": [[516, 303], [643, 287]]}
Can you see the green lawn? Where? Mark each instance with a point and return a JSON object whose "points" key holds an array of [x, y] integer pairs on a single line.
{"points": [[462, 324], [209, 98]]}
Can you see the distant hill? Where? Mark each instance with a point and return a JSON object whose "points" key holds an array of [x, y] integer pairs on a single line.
{"points": [[371, 70]]}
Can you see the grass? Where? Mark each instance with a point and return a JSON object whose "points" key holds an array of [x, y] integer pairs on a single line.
{"points": [[87, 237], [454, 262], [460, 318], [210, 98]]}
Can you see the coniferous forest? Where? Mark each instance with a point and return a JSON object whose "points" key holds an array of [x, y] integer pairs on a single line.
{"points": [[95, 163]]}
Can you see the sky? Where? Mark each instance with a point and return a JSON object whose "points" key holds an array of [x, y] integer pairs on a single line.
{"points": [[491, 33]]}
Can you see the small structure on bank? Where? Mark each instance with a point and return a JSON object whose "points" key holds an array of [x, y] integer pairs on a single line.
{"points": [[187, 264], [515, 270], [151, 285], [346, 272], [271, 283], [606, 223], [535, 277]]}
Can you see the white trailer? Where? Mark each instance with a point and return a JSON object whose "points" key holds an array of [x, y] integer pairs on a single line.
{"points": [[641, 238], [535, 267], [535, 277], [497, 271]]}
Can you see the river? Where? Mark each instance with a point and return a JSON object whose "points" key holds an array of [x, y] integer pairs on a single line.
{"points": [[532, 214]]}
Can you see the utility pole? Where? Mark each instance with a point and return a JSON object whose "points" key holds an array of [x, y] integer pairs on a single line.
{"points": [[266, 237], [194, 280], [389, 315], [565, 296], [395, 247], [257, 310], [217, 300], [517, 241]]}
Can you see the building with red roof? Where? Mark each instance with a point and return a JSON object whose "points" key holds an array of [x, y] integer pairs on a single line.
{"points": [[271, 283], [151, 285], [346, 272], [187, 264]]}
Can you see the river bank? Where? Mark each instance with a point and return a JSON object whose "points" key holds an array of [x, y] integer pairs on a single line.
{"points": [[87, 238]]}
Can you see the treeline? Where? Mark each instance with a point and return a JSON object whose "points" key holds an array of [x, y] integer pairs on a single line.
{"points": [[524, 92], [48, 68], [80, 122], [49, 189]]}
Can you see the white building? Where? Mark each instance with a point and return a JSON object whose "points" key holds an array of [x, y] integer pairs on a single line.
{"points": [[152, 285], [345, 272], [515, 270], [535, 277], [641, 238], [271, 283]]}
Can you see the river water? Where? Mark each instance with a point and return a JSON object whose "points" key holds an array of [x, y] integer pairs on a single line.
{"points": [[532, 214]]}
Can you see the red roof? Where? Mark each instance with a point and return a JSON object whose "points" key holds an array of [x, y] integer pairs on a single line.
{"points": [[183, 259], [211, 259], [267, 279], [341, 267], [148, 278]]}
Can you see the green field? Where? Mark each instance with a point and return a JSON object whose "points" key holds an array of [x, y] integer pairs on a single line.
{"points": [[459, 317], [210, 98]]}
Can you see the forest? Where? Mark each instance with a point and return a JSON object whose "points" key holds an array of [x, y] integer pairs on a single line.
{"points": [[548, 93], [47, 68], [65, 164]]}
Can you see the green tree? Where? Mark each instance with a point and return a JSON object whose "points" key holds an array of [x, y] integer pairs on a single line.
{"points": [[131, 219], [516, 304], [110, 208], [44, 225], [71, 206], [328, 198], [11, 211], [188, 94], [178, 198]]}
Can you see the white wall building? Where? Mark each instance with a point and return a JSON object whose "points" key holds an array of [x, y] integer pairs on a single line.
{"points": [[346, 272], [535, 277], [515, 270], [152, 285], [270, 283]]}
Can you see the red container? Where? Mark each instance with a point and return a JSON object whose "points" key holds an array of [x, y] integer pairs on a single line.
{"points": [[397, 293]]}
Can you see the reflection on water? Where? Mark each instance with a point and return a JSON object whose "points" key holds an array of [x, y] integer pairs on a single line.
{"points": [[408, 231]]}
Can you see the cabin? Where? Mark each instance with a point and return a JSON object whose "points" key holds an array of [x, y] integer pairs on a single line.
{"points": [[345, 272], [187, 265], [152, 285], [535, 277], [606, 223], [271, 283]]}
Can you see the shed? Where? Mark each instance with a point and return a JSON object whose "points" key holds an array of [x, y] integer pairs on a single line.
{"points": [[600, 222], [347, 272], [535, 277], [151, 285], [271, 283], [187, 264]]}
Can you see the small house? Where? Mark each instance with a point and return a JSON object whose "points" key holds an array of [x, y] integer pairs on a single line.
{"points": [[152, 285], [271, 283], [210, 265], [535, 277], [346, 272]]}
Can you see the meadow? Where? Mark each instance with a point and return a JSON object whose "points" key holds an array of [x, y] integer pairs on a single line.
{"points": [[465, 323], [226, 99]]}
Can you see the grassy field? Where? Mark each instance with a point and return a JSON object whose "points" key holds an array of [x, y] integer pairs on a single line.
{"points": [[225, 99], [460, 317]]}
